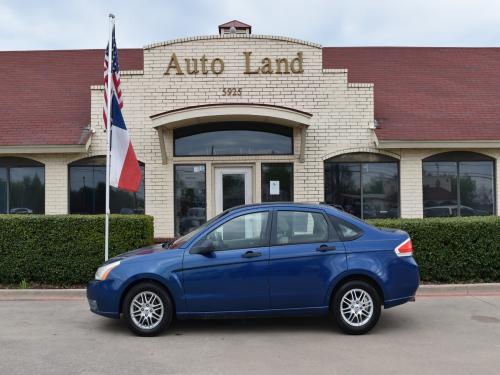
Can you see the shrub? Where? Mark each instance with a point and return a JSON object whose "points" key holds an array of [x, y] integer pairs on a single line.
{"points": [[453, 250], [67, 249], [64, 249]]}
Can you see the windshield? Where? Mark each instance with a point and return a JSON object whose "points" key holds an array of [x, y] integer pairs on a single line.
{"points": [[182, 240]]}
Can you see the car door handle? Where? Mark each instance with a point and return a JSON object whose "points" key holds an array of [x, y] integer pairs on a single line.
{"points": [[252, 254], [324, 248]]}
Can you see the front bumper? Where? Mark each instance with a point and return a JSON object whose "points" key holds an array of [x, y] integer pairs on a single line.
{"points": [[103, 298]]}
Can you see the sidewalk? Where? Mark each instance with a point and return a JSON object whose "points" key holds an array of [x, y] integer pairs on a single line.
{"points": [[432, 290]]}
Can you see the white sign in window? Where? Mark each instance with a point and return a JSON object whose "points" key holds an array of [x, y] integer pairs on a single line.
{"points": [[274, 187]]}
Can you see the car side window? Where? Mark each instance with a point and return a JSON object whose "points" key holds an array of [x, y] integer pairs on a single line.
{"points": [[346, 230], [245, 231], [295, 227]]}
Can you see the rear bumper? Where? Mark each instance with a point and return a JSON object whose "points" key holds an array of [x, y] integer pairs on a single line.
{"points": [[404, 280], [102, 298], [398, 301]]}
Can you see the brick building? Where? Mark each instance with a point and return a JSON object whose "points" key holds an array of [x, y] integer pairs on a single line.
{"points": [[237, 118]]}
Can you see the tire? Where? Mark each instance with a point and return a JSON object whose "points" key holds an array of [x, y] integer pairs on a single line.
{"points": [[355, 297], [147, 309]]}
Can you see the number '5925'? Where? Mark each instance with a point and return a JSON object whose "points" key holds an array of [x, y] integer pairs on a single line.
{"points": [[231, 91]]}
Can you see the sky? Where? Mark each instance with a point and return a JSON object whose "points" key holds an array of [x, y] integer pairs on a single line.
{"points": [[78, 24]]}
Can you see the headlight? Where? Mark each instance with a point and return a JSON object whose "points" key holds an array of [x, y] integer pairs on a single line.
{"points": [[103, 271]]}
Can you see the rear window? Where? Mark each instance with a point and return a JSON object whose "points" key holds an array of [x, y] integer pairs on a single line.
{"points": [[346, 230]]}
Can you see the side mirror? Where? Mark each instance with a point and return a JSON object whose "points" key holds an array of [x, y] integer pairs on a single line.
{"points": [[206, 247]]}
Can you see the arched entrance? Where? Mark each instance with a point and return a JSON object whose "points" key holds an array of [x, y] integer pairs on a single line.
{"points": [[244, 153], [232, 112]]}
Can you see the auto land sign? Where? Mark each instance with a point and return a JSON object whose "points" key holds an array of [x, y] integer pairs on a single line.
{"points": [[267, 65]]}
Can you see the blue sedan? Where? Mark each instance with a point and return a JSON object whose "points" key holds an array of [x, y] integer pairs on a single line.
{"points": [[262, 260]]}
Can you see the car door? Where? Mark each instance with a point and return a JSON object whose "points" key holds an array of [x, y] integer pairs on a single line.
{"points": [[305, 256], [233, 277]]}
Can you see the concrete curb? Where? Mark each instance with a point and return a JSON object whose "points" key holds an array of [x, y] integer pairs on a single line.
{"points": [[41, 294], [459, 289], [431, 290]]}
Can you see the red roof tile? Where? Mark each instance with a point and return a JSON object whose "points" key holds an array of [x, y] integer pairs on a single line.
{"points": [[428, 94], [45, 95], [441, 94]]}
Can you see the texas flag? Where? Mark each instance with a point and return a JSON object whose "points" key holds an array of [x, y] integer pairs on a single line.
{"points": [[125, 172]]}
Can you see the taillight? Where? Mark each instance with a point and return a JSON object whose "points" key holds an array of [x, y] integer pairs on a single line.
{"points": [[405, 248]]}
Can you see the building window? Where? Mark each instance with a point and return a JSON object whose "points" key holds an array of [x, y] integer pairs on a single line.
{"points": [[87, 190], [233, 138], [277, 182], [458, 184], [22, 186], [364, 184], [190, 198]]}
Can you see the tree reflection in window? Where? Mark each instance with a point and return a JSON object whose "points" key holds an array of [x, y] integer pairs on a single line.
{"points": [[458, 184], [22, 186], [87, 185], [190, 198], [363, 184], [233, 138]]}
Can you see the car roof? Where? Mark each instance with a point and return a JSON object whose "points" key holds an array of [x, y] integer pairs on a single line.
{"points": [[276, 204], [321, 206]]}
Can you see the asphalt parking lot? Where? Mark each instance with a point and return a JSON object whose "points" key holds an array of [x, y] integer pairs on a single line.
{"points": [[435, 335]]}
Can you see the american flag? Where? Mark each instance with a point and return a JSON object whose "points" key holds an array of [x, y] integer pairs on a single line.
{"points": [[124, 170], [115, 71]]}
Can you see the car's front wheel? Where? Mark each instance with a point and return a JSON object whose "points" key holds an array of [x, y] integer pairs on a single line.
{"points": [[147, 309], [356, 307]]}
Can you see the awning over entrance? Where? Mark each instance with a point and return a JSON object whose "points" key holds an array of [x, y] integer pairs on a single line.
{"points": [[210, 113]]}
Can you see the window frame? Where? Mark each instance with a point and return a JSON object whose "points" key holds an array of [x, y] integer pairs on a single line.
{"points": [[458, 157], [333, 235], [222, 124], [292, 190], [267, 235], [74, 163], [388, 159], [174, 190], [9, 162]]}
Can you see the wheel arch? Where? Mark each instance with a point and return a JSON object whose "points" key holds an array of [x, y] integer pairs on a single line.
{"points": [[146, 279], [357, 276]]}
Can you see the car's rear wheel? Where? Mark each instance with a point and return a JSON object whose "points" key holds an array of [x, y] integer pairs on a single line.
{"points": [[356, 307], [147, 309]]}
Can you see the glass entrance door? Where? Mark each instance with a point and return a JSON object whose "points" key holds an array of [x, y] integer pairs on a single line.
{"points": [[233, 187]]}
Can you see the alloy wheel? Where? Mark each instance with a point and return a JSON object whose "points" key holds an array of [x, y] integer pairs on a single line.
{"points": [[147, 310], [356, 307]]}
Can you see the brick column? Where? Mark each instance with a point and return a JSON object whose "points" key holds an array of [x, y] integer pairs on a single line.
{"points": [[411, 184]]}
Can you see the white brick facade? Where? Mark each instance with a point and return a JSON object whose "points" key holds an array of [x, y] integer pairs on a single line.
{"points": [[342, 113], [341, 122]]}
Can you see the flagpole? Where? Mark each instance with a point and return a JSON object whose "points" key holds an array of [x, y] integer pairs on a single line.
{"points": [[108, 135]]}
